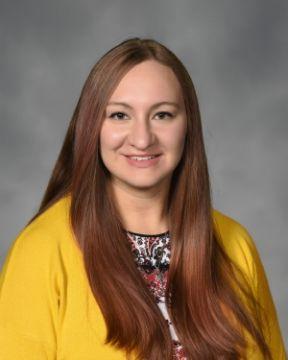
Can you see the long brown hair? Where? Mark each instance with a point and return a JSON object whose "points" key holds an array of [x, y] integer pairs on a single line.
{"points": [[203, 282]]}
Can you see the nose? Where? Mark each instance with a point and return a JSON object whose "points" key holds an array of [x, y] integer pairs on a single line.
{"points": [[141, 135]]}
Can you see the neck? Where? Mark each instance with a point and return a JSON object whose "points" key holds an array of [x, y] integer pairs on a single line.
{"points": [[142, 211]]}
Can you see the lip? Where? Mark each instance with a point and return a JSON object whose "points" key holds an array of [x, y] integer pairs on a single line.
{"points": [[129, 155], [143, 163]]}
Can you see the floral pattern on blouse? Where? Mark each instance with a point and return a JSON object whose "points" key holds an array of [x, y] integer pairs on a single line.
{"points": [[152, 257]]}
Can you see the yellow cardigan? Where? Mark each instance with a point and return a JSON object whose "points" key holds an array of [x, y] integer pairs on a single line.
{"points": [[47, 310]]}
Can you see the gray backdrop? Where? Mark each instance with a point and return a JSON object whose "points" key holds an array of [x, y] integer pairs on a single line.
{"points": [[236, 53]]}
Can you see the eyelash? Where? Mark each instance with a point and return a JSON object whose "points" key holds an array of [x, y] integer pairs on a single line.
{"points": [[160, 112]]}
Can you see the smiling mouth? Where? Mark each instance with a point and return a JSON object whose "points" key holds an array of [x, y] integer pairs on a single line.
{"points": [[142, 157], [143, 162]]}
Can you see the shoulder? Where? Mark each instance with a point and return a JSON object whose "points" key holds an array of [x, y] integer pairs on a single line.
{"points": [[33, 279], [54, 221], [240, 246], [237, 242], [228, 225], [41, 242], [232, 232]]}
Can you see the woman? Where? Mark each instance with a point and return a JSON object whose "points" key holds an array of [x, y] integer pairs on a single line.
{"points": [[128, 199]]}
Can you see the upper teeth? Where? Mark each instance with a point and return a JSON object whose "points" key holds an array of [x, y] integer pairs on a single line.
{"points": [[142, 157]]}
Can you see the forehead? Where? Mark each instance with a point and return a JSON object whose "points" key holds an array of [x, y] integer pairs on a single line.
{"points": [[147, 81]]}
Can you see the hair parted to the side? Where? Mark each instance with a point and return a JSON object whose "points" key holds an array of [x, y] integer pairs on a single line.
{"points": [[201, 297]]}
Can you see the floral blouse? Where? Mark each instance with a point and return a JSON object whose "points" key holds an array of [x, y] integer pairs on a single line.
{"points": [[152, 256]]}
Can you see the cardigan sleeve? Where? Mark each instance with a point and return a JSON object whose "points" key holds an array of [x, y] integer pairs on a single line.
{"points": [[29, 297], [260, 285]]}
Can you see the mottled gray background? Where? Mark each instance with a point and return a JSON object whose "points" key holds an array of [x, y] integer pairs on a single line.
{"points": [[236, 53]]}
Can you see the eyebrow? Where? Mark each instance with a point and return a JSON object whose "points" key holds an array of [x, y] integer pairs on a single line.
{"points": [[152, 107]]}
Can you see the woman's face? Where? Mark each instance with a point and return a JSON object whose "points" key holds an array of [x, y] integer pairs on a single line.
{"points": [[142, 127]]}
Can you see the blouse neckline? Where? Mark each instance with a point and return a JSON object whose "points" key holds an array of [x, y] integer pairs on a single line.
{"points": [[148, 235]]}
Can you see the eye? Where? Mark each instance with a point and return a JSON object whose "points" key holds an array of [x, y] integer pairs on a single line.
{"points": [[120, 115], [117, 113], [165, 113]]}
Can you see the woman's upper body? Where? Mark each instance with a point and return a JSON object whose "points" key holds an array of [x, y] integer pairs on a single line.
{"points": [[133, 156], [47, 310]]}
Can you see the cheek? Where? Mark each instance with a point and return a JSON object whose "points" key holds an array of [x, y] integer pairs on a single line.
{"points": [[110, 138], [175, 138]]}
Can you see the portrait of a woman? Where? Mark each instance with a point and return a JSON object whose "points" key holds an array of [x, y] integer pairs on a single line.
{"points": [[127, 258]]}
